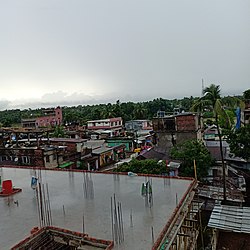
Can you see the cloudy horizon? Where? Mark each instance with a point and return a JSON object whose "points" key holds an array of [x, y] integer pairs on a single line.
{"points": [[63, 52]]}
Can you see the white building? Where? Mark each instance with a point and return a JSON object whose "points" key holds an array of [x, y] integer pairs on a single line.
{"points": [[113, 124]]}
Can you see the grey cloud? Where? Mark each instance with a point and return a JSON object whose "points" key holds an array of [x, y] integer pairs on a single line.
{"points": [[58, 98], [128, 50], [4, 104]]}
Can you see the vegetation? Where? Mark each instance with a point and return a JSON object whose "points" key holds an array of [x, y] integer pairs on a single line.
{"points": [[9, 118], [239, 142], [81, 114], [226, 121], [143, 167], [212, 101], [189, 151], [246, 94], [127, 110], [59, 132]]}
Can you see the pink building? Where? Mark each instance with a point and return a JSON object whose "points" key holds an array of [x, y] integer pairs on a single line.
{"points": [[51, 117]]}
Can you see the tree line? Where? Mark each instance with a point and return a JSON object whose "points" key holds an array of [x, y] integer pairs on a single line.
{"points": [[127, 110]]}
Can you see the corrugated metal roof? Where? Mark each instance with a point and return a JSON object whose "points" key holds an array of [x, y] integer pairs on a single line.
{"points": [[216, 193], [230, 218]]}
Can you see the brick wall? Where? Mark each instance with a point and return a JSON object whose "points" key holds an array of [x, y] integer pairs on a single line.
{"points": [[20, 156], [186, 123]]}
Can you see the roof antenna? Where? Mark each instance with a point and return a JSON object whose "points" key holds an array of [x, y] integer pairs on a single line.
{"points": [[202, 87]]}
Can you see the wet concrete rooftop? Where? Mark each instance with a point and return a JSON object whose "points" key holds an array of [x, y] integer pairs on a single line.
{"points": [[68, 204]]}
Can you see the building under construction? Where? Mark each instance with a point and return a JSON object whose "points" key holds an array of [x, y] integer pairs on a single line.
{"points": [[53, 238], [125, 210]]}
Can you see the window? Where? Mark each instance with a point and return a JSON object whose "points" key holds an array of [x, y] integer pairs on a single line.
{"points": [[3, 158], [25, 159], [47, 158], [54, 157]]}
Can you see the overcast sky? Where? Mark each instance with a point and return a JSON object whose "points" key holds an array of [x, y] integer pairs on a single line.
{"points": [[70, 52]]}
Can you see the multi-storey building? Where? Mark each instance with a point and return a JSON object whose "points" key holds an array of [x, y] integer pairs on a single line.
{"points": [[113, 124], [50, 117], [245, 113], [171, 130]]}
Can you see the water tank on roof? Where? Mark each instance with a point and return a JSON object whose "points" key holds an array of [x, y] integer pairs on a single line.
{"points": [[7, 187], [160, 114], [177, 111]]}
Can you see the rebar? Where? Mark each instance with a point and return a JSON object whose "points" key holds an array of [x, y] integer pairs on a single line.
{"points": [[63, 211], [88, 186], [131, 218], [147, 192], [83, 224], [152, 234], [117, 221]]}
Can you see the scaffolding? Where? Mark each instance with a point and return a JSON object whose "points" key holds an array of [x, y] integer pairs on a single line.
{"points": [[183, 229]]}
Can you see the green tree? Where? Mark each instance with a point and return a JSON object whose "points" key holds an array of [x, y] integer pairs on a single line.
{"points": [[140, 112], [187, 103], [189, 151], [239, 142], [117, 109], [127, 111], [212, 101], [246, 94], [59, 132], [144, 167], [226, 121], [10, 118]]}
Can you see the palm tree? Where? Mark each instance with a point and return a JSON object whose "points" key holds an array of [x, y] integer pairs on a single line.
{"points": [[212, 100], [140, 112]]}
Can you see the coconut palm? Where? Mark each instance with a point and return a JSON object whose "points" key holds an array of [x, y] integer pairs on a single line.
{"points": [[140, 112], [212, 101]]}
